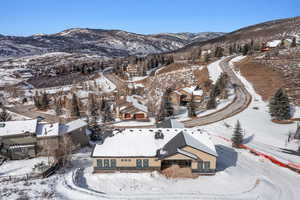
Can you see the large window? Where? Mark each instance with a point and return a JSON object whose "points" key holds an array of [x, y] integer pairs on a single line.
{"points": [[113, 163], [145, 163], [99, 163], [139, 163], [206, 165], [200, 165], [142, 163], [106, 163]]}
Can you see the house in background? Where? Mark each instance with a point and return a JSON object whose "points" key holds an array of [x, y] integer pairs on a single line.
{"points": [[29, 138], [138, 150], [18, 139], [132, 108], [78, 132], [182, 96]]}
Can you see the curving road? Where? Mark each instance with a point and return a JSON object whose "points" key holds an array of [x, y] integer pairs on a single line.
{"points": [[241, 101]]}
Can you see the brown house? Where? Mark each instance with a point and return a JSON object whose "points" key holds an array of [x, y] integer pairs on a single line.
{"points": [[155, 149], [184, 95], [132, 109]]}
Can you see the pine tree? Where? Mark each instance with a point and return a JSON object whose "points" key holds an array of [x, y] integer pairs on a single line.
{"points": [[245, 49], [192, 107], [37, 101], [211, 104], [279, 106], [294, 44], [4, 115], [237, 137], [58, 107], [44, 101], [75, 106]]}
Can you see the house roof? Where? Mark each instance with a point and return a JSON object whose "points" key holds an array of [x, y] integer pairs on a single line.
{"points": [[17, 127], [193, 90], [71, 126], [135, 102], [142, 143], [47, 130], [170, 123]]}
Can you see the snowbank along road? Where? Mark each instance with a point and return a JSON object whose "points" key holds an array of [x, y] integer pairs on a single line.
{"points": [[241, 101]]}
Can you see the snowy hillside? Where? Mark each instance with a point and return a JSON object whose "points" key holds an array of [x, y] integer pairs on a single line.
{"points": [[106, 43]]}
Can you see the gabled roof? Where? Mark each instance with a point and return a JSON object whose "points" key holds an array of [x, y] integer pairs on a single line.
{"points": [[135, 102], [47, 130], [142, 143], [183, 139], [71, 126], [17, 127]]}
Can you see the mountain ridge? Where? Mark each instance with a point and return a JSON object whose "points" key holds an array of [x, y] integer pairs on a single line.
{"points": [[101, 42]]}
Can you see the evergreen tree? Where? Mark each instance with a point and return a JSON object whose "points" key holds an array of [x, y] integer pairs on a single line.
{"points": [[44, 101], [4, 115], [211, 104], [219, 52], [294, 44], [245, 49], [279, 106], [36, 100], [107, 115], [58, 107], [192, 107], [237, 137], [75, 112]]}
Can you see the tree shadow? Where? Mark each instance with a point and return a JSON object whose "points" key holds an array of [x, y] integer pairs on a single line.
{"points": [[289, 151], [293, 110], [248, 139], [227, 157], [80, 181]]}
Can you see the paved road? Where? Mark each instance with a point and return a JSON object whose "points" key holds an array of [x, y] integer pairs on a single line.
{"points": [[241, 102]]}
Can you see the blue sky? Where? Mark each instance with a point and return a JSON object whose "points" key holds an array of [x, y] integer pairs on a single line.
{"points": [[26, 17]]}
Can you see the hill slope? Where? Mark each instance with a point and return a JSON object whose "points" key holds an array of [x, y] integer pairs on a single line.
{"points": [[271, 30], [106, 43]]}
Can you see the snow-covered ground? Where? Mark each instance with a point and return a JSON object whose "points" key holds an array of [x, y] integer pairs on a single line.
{"points": [[260, 132], [214, 70], [20, 167]]}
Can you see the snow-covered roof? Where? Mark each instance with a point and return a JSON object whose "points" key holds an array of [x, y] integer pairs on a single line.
{"points": [[47, 130], [17, 127], [71, 126], [142, 142], [192, 90], [135, 102], [273, 43]]}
